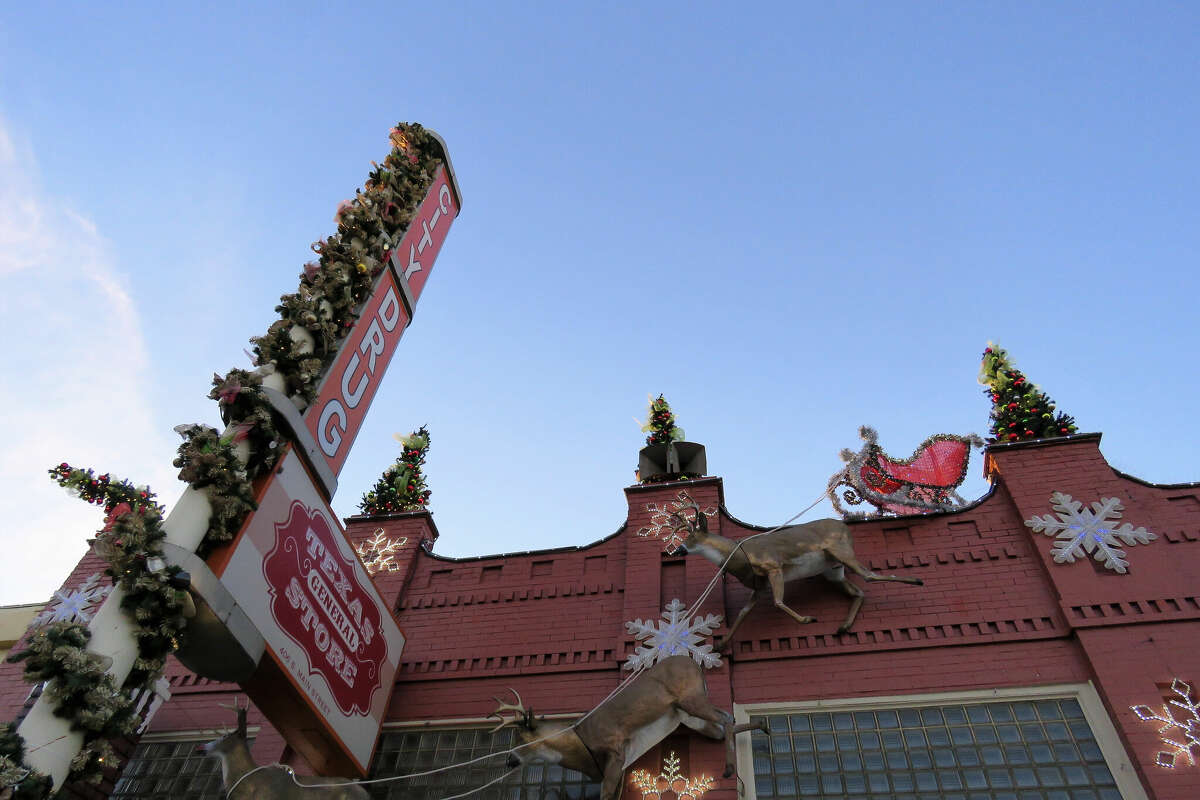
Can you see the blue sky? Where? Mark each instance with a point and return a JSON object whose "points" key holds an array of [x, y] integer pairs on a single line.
{"points": [[791, 219]]}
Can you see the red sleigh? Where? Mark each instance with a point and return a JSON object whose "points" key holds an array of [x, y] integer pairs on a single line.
{"points": [[921, 484]]}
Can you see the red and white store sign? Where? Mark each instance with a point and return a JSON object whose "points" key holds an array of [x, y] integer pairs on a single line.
{"points": [[341, 406], [296, 576]]}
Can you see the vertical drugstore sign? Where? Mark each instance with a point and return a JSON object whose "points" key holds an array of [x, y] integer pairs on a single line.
{"points": [[332, 647], [341, 406]]}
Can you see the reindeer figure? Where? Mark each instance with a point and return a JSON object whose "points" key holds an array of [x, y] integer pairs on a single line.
{"points": [[766, 563], [625, 726], [244, 780]]}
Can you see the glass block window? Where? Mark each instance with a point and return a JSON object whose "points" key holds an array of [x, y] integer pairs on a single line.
{"points": [[404, 752], [1021, 750], [170, 769]]}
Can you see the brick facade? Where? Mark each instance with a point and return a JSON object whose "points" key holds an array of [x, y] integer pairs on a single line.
{"points": [[995, 612]]}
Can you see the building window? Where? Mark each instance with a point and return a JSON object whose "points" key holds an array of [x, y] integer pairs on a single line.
{"points": [[172, 769], [964, 748], [404, 752]]}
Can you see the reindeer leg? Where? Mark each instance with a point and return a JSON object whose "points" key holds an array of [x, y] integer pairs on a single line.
{"points": [[857, 594], [715, 723], [776, 579], [614, 780], [845, 556], [759, 594]]}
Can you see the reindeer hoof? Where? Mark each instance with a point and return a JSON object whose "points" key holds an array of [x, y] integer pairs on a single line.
{"points": [[728, 771], [918, 582]]}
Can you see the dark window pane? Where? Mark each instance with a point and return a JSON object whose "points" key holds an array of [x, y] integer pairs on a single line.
{"points": [[873, 760], [864, 719], [855, 782], [825, 743], [978, 714], [1001, 712], [799, 723], [1048, 709], [852, 762], [893, 741], [805, 763], [914, 738], [847, 741], [821, 722], [938, 737], [887, 719], [910, 717], [954, 715], [1071, 709], [984, 734], [1015, 754], [944, 757], [802, 743], [1025, 777], [931, 716], [831, 783], [1057, 732], [783, 764], [926, 780], [877, 782], [1050, 776], [869, 741], [967, 756], [950, 779], [999, 779], [781, 744], [896, 759], [843, 721], [992, 755], [828, 763]]}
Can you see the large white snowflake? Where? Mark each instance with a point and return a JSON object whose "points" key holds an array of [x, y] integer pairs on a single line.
{"points": [[1189, 727], [74, 605], [665, 523], [378, 553], [673, 635], [1082, 532]]}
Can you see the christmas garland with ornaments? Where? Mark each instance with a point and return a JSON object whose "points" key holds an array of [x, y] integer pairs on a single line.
{"points": [[292, 355]]}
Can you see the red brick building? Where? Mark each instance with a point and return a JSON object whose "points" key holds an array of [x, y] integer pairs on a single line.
{"points": [[1007, 675]]}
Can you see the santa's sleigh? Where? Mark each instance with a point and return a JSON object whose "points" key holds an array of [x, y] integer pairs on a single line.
{"points": [[922, 484]]}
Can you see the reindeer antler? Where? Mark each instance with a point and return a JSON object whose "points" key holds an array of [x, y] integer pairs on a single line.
{"points": [[518, 707], [240, 710]]}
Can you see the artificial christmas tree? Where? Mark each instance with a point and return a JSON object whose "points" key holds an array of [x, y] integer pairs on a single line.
{"points": [[1020, 410], [402, 486], [660, 423]]}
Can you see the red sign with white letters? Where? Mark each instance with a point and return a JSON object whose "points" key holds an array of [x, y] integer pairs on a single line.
{"points": [[338, 413], [317, 600]]}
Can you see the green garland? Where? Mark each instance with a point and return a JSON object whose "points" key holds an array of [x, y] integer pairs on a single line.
{"points": [[82, 691], [402, 486], [80, 687], [209, 461], [336, 284], [25, 783]]}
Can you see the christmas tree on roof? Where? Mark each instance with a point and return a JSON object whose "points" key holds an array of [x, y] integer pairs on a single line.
{"points": [[402, 485], [1020, 410], [660, 423]]}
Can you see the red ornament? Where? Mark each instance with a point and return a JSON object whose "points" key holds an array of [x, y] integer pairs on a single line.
{"points": [[1013, 436]]}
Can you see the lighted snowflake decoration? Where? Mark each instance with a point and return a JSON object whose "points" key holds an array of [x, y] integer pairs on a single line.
{"points": [[1082, 532], [378, 553], [1188, 728], [665, 522], [74, 605], [670, 779], [673, 635]]}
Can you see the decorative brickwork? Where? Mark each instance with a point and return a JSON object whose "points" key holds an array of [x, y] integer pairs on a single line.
{"points": [[995, 612]]}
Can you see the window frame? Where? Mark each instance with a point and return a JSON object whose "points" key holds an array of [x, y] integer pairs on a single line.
{"points": [[1115, 756]]}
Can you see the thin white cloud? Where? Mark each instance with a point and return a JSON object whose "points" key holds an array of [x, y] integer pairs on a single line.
{"points": [[74, 380]]}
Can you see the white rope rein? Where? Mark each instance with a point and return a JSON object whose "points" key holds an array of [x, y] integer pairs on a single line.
{"points": [[620, 687]]}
